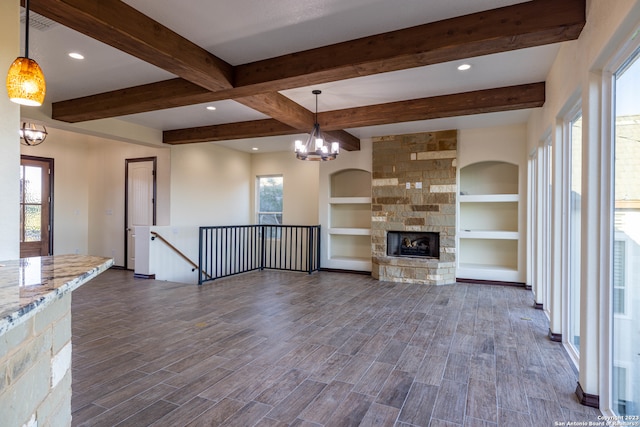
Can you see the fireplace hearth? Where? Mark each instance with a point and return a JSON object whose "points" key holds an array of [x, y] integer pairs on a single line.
{"points": [[417, 244]]}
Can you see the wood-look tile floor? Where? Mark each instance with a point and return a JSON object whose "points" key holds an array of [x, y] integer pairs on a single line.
{"points": [[329, 349]]}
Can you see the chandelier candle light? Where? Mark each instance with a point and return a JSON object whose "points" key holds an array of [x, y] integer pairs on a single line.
{"points": [[25, 80], [315, 148], [31, 135]]}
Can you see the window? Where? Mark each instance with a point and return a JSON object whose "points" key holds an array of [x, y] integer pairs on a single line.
{"points": [[547, 215], [619, 276], [269, 200], [625, 239], [620, 390], [575, 216]]}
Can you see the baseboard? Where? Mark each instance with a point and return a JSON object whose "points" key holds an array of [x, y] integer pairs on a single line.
{"points": [[527, 287], [339, 270], [117, 267], [144, 276], [555, 337], [489, 282], [586, 399], [538, 305]]}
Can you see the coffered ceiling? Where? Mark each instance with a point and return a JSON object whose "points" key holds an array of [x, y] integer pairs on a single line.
{"points": [[384, 67]]}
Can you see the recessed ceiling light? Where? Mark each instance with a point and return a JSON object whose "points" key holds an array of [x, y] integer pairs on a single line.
{"points": [[211, 108], [255, 148], [76, 55], [464, 67]]}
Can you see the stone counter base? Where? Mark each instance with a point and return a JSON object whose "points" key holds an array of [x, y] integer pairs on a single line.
{"points": [[35, 369]]}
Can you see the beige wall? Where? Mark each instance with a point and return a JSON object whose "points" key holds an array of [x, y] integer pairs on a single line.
{"points": [[70, 191], [106, 172], [9, 141], [198, 184], [210, 185], [88, 214], [301, 180], [499, 143]]}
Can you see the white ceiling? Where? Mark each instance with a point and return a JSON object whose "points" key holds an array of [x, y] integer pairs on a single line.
{"points": [[243, 31]]}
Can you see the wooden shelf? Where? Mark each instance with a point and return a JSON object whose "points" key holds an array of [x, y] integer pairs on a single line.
{"points": [[349, 200], [489, 234], [488, 198], [351, 231]]}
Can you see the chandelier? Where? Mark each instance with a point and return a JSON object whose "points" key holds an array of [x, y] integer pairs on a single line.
{"points": [[31, 135], [25, 80], [315, 148]]}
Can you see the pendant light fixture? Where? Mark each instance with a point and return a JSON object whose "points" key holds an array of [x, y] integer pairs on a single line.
{"points": [[316, 148], [31, 135], [25, 80]]}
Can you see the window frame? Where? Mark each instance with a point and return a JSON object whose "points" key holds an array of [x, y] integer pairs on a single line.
{"points": [[621, 238], [258, 212], [573, 114], [624, 54]]}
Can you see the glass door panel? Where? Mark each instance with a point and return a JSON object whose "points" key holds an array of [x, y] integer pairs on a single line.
{"points": [[625, 277]]}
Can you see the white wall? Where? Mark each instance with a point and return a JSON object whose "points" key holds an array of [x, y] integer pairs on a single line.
{"points": [[210, 185], [300, 186], [9, 140]]}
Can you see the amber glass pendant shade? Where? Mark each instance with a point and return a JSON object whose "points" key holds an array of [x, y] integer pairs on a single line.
{"points": [[25, 82]]}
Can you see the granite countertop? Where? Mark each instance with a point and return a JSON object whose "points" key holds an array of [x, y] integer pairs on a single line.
{"points": [[29, 284]]}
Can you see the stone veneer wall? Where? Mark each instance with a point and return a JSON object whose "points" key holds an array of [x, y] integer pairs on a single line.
{"points": [[35, 369], [414, 189]]}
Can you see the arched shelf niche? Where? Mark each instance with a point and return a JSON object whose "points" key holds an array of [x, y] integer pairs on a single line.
{"points": [[349, 228]]}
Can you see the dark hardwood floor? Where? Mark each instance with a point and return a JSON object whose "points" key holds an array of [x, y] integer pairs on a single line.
{"points": [[328, 349]]}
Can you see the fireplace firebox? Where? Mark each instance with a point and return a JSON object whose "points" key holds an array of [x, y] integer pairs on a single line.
{"points": [[420, 244]]}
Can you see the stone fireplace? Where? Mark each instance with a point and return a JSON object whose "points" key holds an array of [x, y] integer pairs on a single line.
{"points": [[414, 201]]}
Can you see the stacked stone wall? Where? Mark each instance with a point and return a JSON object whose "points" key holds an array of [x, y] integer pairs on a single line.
{"points": [[414, 189]]}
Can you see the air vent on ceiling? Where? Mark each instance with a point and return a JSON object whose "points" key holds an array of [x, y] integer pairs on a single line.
{"points": [[36, 21]]}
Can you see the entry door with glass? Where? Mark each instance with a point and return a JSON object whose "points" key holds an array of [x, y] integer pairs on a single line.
{"points": [[35, 206]]}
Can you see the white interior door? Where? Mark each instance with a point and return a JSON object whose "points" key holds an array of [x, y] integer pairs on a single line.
{"points": [[140, 202]]}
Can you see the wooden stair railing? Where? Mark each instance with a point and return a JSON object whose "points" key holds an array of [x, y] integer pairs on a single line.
{"points": [[179, 252]]}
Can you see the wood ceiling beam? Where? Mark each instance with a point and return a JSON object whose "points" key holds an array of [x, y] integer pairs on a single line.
{"points": [[281, 108], [523, 25], [250, 129], [347, 141], [476, 102], [460, 104], [119, 25]]}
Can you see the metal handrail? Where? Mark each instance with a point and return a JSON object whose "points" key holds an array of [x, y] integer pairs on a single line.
{"points": [[229, 250], [178, 251]]}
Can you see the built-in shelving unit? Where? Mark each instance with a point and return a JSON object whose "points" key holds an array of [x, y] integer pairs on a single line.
{"points": [[488, 228], [349, 233]]}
